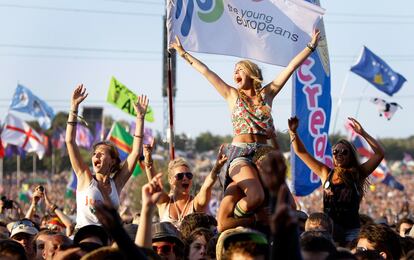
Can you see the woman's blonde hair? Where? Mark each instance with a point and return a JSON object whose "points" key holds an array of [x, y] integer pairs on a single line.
{"points": [[177, 162], [254, 72]]}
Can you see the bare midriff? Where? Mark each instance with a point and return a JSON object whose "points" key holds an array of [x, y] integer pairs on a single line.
{"points": [[250, 138]]}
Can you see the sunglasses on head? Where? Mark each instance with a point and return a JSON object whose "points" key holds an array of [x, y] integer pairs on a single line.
{"points": [[180, 176], [164, 249], [24, 222], [337, 151]]}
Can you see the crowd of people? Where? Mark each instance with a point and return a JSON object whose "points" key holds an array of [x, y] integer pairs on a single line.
{"points": [[257, 217]]}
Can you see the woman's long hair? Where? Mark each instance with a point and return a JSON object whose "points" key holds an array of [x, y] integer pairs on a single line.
{"points": [[351, 175], [113, 152], [255, 73]]}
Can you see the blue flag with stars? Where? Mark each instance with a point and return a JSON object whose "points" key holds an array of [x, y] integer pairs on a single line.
{"points": [[378, 73]]}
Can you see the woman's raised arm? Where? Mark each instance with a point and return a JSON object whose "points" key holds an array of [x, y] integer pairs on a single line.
{"points": [[226, 91]]}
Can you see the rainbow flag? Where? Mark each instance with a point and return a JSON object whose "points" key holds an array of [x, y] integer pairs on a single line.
{"points": [[123, 141]]}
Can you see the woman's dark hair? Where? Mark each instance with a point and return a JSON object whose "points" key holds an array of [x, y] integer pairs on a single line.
{"points": [[113, 152], [351, 175]]}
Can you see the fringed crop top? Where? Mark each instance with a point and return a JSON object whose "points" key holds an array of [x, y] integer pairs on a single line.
{"points": [[251, 119]]}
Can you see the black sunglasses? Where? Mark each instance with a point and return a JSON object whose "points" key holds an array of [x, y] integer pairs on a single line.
{"points": [[180, 176], [340, 151]]}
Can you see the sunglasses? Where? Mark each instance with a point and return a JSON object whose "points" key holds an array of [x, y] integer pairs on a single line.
{"points": [[361, 249], [180, 176], [164, 249], [340, 151]]}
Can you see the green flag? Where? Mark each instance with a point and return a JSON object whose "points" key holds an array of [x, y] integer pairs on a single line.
{"points": [[123, 141], [123, 98]]}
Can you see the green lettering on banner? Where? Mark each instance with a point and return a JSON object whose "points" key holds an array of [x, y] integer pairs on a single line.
{"points": [[123, 98]]}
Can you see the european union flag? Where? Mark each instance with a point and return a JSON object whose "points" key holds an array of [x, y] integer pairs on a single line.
{"points": [[378, 73], [26, 102]]}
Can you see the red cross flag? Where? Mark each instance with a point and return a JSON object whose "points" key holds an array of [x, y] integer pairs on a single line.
{"points": [[19, 133]]}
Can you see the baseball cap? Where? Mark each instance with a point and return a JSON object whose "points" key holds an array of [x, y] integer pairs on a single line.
{"points": [[22, 226], [238, 234]]}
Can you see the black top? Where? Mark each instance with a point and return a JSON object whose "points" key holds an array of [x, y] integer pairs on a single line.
{"points": [[341, 203]]}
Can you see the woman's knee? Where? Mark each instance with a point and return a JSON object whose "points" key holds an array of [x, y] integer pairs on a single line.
{"points": [[255, 196]]}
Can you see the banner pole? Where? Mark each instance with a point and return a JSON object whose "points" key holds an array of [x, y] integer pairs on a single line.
{"points": [[170, 107]]}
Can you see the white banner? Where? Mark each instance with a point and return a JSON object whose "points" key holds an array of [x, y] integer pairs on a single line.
{"points": [[19, 133], [271, 31]]}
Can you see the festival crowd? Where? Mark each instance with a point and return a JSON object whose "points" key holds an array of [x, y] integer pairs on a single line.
{"points": [[257, 215]]}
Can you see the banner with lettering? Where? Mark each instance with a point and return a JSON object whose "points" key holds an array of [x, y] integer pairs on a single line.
{"points": [[123, 98], [311, 103], [271, 31]]}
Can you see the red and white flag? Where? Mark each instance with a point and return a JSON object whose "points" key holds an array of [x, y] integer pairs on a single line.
{"points": [[19, 133]]}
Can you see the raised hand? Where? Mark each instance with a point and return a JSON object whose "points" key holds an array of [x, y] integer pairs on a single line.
{"points": [[284, 216], [293, 124], [177, 46], [315, 37], [356, 126], [147, 150], [141, 106], [221, 157], [78, 95], [37, 195], [152, 191]]}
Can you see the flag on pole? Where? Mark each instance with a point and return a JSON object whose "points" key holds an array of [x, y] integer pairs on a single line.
{"points": [[19, 133], [71, 186], [26, 102], [123, 141], [312, 104], [123, 98], [249, 29], [378, 73]]}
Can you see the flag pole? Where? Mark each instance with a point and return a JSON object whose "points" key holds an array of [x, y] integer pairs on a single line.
{"points": [[18, 170], [1, 172], [170, 107], [103, 125], [360, 100], [34, 165], [340, 101]]}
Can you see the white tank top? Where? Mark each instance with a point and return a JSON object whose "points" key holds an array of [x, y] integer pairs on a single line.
{"points": [[86, 199], [188, 209]]}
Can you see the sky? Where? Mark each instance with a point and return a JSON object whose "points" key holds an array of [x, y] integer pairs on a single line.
{"points": [[51, 46]]}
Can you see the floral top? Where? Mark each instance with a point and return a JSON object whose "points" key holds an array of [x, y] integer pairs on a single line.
{"points": [[248, 118]]}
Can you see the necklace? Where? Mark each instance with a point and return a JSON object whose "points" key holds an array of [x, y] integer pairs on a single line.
{"points": [[179, 212]]}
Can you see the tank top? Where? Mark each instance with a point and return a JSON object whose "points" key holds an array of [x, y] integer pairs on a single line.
{"points": [[341, 203], [251, 119], [87, 198], [189, 208]]}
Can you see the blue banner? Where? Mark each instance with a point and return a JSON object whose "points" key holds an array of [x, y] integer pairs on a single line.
{"points": [[378, 73], [26, 102], [311, 98]]}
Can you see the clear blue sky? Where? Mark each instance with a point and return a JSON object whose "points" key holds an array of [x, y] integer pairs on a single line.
{"points": [[50, 46]]}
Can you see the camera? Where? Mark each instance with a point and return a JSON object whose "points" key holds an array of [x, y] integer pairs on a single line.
{"points": [[7, 204], [41, 188]]}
